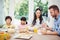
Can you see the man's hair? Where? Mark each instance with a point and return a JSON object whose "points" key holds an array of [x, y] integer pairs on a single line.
{"points": [[8, 17], [54, 7]]}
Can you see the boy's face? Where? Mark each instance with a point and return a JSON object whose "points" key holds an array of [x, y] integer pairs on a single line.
{"points": [[8, 21], [23, 22]]}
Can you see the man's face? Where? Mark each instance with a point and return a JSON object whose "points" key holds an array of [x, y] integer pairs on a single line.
{"points": [[52, 12]]}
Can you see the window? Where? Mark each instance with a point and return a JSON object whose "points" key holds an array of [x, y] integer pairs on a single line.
{"points": [[21, 9], [43, 5], [6, 7], [24, 8]]}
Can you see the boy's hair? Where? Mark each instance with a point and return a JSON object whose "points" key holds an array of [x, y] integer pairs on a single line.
{"points": [[54, 7], [23, 19], [8, 17]]}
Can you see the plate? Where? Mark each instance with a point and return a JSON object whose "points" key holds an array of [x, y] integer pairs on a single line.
{"points": [[23, 36]]}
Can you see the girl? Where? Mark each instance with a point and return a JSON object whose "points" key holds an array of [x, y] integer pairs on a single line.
{"points": [[23, 25]]}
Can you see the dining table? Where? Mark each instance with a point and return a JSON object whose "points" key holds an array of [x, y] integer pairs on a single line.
{"points": [[40, 37], [36, 36]]}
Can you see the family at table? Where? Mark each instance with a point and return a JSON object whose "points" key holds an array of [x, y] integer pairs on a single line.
{"points": [[37, 23]]}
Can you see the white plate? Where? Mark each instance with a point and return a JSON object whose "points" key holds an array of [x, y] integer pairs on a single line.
{"points": [[23, 36]]}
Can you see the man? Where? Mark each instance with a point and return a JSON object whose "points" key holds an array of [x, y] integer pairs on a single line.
{"points": [[54, 11]]}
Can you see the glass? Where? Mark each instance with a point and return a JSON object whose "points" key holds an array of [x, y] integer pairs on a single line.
{"points": [[35, 30], [4, 36], [1, 36]]}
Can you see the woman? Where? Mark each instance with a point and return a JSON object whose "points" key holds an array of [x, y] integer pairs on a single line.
{"points": [[37, 17]]}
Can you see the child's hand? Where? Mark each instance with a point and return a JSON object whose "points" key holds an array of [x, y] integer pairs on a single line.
{"points": [[23, 31]]}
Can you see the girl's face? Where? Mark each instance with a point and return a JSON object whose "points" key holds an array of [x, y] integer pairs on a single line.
{"points": [[38, 12], [8, 21], [23, 22]]}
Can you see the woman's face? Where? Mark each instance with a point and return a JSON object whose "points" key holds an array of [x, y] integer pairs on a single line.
{"points": [[38, 12], [8, 21]]}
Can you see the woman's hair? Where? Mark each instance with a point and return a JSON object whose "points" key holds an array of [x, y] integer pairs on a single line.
{"points": [[8, 17], [23, 19], [40, 18]]}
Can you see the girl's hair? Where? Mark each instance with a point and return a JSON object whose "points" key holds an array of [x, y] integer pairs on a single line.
{"points": [[40, 18], [23, 19]]}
